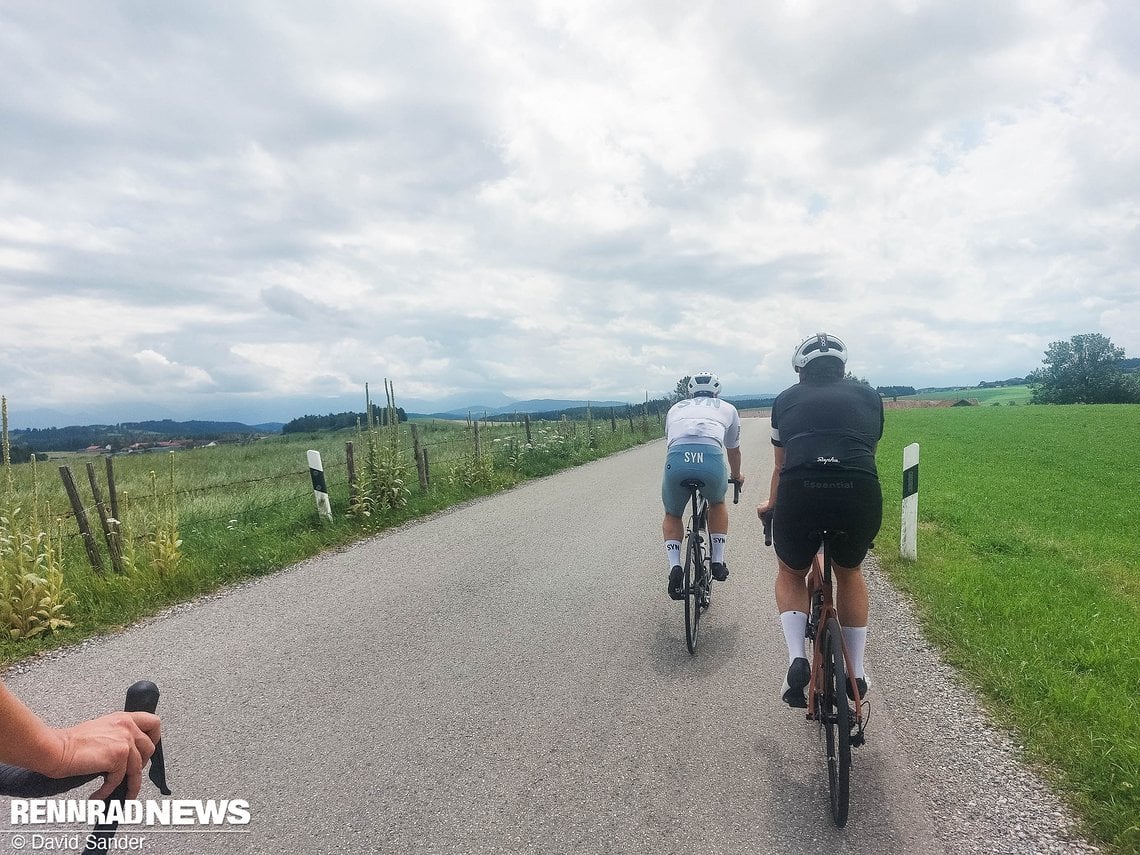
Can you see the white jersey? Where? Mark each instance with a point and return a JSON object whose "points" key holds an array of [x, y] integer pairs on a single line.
{"points": [[704, 421]]}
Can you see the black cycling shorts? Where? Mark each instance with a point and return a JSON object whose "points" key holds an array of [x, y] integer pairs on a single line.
{"points": [[806, 505]]}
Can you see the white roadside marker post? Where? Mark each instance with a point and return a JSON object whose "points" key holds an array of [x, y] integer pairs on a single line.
{"points": [[320, 490], [908, 547]]}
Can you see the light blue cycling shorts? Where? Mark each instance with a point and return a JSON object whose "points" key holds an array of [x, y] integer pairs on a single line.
{"points": [[691, 460]]}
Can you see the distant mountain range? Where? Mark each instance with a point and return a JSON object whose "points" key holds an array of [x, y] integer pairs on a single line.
{"points": [[537, 405]]}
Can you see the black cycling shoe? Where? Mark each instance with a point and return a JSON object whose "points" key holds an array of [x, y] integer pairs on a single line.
{"points": [[861, 682], [676, 580], [719, 570], [799, 675]]}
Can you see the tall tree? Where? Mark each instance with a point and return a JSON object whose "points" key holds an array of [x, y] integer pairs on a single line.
{"points": [[682, 390], [1084, 370]]}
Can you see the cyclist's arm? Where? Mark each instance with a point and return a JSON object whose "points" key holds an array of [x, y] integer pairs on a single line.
{"points": [[734, 464], [778, 465], [117, 745]]}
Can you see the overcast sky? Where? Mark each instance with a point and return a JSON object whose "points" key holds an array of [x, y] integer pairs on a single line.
{"points": [[250, 209]]}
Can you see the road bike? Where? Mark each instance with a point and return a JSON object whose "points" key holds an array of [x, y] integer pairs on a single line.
{"points": [[23, 783], [833, 700], [698, 578]]}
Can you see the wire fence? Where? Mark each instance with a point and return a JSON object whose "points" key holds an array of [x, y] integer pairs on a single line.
{"points": [[220, 483]]}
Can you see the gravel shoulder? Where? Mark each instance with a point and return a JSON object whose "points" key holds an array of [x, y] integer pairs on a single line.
{"points": [[983, 797]]}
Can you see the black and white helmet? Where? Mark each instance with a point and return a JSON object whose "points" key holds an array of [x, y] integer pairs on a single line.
{"points": [[704, 383], [820, 344]]}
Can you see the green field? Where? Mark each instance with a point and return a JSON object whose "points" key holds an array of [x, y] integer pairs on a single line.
{"points": [[1027, 578], [1000, 395]]}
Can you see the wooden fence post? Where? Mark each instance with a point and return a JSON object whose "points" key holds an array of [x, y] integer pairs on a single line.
{"points": [[526, 418], [427, 468], [417, 449], [113, 494], [107, 521], [81, 519], [613, 421], [350, 460], [476, 438]]}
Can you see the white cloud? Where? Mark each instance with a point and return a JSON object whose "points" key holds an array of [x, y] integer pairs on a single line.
{"points": [[268, 201]]}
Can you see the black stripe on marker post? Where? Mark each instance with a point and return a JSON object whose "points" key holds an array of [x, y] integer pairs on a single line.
{"points": [[910, 481]]}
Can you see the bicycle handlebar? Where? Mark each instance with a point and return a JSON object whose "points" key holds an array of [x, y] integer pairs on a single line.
{"points": [[766, 519], [735, 490], [24, 783]]}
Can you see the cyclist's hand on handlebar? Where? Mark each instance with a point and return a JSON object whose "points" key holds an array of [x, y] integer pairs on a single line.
{"points": [[116, 745], [764, 508]]}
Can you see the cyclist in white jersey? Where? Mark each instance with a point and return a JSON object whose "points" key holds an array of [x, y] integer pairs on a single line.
{"points": [[702, 432]]}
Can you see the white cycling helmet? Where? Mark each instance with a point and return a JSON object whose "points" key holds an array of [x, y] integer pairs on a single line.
{"points": [[704, 383], [820, 344]]}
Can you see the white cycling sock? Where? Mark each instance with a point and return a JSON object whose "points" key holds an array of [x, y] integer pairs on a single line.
{"points": [[716, 554], [673, 549], [795, 629], [855, 637]]}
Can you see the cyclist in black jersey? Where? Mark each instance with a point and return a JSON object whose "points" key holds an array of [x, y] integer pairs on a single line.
{"points": [[825, 431]]}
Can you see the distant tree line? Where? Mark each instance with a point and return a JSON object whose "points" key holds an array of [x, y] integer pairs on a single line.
{"points": [[339, 421], [121, 436], [896, 391]]}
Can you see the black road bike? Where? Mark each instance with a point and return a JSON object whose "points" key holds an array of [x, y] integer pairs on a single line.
{"points": [[698, 578], [834, 701]]}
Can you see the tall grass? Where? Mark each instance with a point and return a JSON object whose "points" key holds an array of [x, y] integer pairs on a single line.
{"points": [[1027, 578], [198, 519]]}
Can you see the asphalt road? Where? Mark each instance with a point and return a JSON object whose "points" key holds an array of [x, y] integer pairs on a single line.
{"points": [[507, 677]]}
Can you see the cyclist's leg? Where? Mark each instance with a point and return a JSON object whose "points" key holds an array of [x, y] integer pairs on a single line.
{"points": [[718, 534], [795, 547], [863, 517], [673, 530], [674, 497], [715, 476], [792, 601], [851, 595]]}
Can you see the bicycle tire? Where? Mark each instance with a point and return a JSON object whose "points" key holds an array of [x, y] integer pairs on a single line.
{"points": [[693, 561], [705, 577], [835, 720]]}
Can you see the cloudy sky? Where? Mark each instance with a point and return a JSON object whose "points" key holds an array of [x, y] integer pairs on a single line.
{"points": [[250, 209]]}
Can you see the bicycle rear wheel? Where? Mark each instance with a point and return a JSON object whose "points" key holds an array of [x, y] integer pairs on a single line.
{"points": [[835, 719], [694, 562]]}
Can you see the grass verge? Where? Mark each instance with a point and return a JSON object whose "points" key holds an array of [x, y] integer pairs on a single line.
{"points": [[1027, 579], [225, 514]]}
